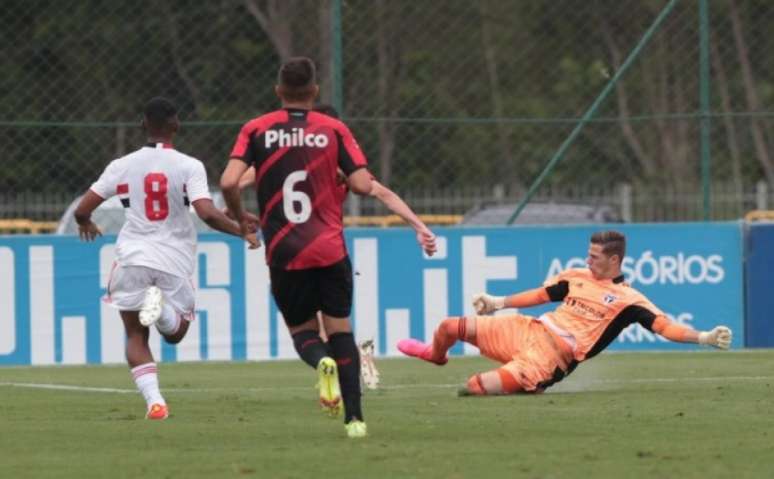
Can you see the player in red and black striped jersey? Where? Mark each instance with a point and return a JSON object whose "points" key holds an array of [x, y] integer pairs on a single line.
{"points": [[297, 154]]}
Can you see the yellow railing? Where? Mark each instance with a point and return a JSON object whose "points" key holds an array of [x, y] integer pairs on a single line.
{"points": [[23, 225], [395, 220], [759, 215]]}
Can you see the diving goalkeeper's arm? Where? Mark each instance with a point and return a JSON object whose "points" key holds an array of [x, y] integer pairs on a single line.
{"points": [[719, 337], [486, 303]]}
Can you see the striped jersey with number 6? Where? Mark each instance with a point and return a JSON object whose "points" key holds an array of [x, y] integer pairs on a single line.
{"points": [[296, 155], [156, 185]]}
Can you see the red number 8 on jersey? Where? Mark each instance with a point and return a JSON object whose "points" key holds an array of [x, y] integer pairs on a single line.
{"points": [[156, 203]]}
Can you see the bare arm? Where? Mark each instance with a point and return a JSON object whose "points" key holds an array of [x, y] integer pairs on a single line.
{"points": [[525, 299], [87, 230], [486, 303], [229, 185], [396, 204], [719, 337], [674, 331], [247, 179], [362, 183], [215, 219]]}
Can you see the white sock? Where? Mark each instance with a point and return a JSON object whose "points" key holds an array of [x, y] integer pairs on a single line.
{"points": [[169, 322], [147, 380]]}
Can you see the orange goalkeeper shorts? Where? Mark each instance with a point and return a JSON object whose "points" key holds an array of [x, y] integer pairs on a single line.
{"points": [[526, 348]]}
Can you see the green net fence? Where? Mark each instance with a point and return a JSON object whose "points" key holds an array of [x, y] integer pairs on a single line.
{"points": [[457, 104]]}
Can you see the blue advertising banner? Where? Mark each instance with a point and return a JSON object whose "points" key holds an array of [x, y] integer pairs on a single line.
{"points": [[50, 286], [760, 277]]}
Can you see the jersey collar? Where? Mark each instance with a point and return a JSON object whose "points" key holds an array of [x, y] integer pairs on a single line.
{"points": [[159, 144], [297, 113], [618, 279]]}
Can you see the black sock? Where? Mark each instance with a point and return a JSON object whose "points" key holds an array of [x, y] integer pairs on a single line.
{"points": [[310, 347], [348, 360]]}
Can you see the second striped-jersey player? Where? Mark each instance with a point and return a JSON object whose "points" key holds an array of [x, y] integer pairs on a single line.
{"points": [[297, 156]]}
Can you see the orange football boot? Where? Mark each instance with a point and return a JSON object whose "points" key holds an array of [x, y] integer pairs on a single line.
{"points": [[157, 412]]}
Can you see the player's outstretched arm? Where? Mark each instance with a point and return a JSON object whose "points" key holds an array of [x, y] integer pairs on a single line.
{"points": [[719, 337], [87, 230], [216, 219], [362, 183], [247, 179], [229, 186], [485, 303]]}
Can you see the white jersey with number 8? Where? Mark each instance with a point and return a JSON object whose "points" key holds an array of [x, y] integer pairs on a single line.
{"points": [[156, 185]]}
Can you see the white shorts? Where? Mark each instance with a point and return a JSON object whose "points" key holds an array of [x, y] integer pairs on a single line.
{"points": [[127, 285]]}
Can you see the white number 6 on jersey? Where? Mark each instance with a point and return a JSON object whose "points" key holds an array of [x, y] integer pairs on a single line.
{"points": [[290, 196]]}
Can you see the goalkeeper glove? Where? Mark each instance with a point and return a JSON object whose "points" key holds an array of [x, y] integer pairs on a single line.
{"points": [[719, 337], [484, 303]]}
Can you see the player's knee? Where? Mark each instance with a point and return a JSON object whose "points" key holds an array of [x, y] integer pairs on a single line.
{"points": [[178, 335], [448, 327], [173, 338], [454, 327]]}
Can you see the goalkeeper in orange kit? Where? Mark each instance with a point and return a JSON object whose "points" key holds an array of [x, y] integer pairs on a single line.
{"points": [[538, 352]]}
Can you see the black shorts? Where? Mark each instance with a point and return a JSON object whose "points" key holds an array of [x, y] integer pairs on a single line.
{"points": [[301, 293]]}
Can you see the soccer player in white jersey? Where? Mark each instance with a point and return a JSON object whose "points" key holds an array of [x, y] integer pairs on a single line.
{"points": [[156, 248]]}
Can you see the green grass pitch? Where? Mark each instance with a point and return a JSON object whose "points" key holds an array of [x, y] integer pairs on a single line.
{"points": [[653, 415]]}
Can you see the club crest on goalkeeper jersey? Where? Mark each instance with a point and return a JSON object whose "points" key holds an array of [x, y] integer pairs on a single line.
{"points": [[595, 311]]}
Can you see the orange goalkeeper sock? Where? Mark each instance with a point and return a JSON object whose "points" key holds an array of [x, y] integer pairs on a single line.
{"points": [[449, 331]]}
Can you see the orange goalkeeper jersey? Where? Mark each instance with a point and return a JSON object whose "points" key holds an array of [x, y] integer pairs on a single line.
{"points": [[593, 312]]}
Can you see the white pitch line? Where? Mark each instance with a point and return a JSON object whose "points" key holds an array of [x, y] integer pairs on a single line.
{"points": [[674, 380], [67, 387]]}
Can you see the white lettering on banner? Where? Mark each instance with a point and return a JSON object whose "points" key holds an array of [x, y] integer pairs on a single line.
{"points": [[216, 302], [257, 305], [648, 269], [7, 301], [398, 326], [478, 268], [557, 267], [296, 137], [154, 342], [111, 327], [679, 269], [441, 249], [42, 304], [73, 339], [366, 290], [190, 348], [436, 287], [285, 348], [635, 333]]}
